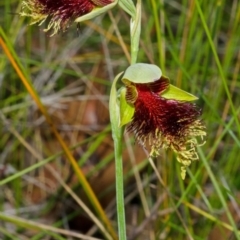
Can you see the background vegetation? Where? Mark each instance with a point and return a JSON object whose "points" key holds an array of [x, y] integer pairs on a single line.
{"points": [[196, 43]]}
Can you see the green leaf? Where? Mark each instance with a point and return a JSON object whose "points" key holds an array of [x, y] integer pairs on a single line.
{"points": [[142, 73], [96, 12], [178, 94], [126, 110]]}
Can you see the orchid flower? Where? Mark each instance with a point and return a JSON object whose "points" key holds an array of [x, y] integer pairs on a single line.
{"points": [[160, 115], [62, 12]]}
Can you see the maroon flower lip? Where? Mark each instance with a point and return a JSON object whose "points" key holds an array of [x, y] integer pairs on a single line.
{"points": [[164, 123], [61, 12]]}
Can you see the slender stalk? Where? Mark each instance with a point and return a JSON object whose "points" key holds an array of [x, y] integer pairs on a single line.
{"points": [[135, 30], [117, 138], [117, 132]]}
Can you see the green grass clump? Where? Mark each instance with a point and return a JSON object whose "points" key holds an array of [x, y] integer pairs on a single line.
{"points": [[196, 44]]}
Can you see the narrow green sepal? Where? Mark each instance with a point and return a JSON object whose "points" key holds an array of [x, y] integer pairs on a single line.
{"points": [[142, 73], [96, 12], [175, 93], [126, 110]]}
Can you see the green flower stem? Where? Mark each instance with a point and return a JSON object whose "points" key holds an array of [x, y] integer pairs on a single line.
{"points": [[117, 133], [135, 30]]}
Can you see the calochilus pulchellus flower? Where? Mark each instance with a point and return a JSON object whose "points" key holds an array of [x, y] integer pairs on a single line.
{"points": [[160, 115], [62, 12]]}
